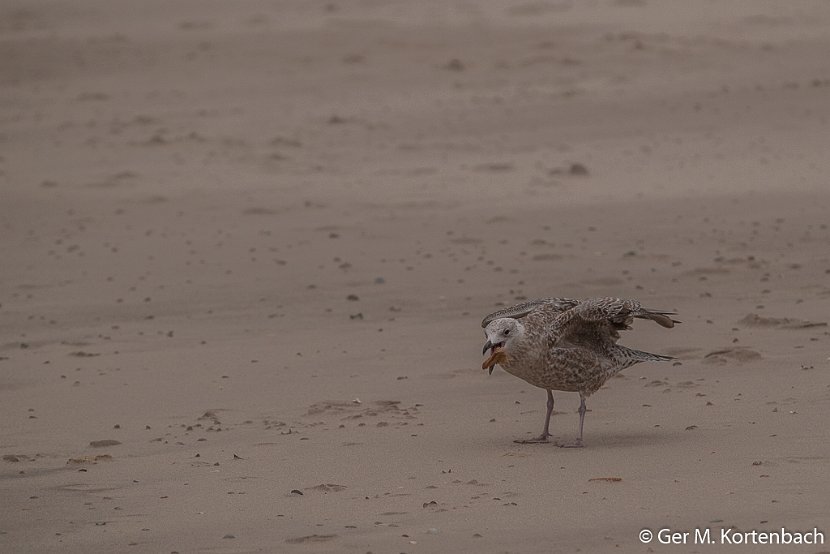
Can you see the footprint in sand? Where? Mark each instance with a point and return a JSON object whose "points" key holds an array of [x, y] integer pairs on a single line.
{"points": [[327, 488], [310, 539], [735, 354], [755, 320]]}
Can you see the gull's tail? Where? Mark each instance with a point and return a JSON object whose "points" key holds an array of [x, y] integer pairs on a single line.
{"points": [[648, 356], [627, 357]]}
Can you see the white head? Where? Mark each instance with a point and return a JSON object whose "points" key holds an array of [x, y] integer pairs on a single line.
{"points": [[501, 334]]}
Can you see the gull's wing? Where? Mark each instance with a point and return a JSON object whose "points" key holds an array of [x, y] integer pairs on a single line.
{"points": [[617, 310], [605, 314], [518, 311]]}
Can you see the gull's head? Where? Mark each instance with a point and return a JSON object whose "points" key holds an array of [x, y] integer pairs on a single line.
{"points": [[501, 334]]}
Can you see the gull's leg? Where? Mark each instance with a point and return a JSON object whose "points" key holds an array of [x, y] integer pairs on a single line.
{"points": [[546, 433], [582, 409]]}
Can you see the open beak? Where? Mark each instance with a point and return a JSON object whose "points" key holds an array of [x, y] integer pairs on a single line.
{"points": [[497, 355]]}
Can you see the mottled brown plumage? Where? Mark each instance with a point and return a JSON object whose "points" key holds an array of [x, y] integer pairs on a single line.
{"points": [[568, 345]]}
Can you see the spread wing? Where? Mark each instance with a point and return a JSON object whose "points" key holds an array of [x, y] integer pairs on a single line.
{"points": [[518, 311], [596, 321]]}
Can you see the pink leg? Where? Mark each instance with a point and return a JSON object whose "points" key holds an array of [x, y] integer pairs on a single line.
{"points": [[546, 432], [582, 409]]}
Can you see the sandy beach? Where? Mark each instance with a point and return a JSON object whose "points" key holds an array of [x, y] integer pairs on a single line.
{"points": [[246, 247]]}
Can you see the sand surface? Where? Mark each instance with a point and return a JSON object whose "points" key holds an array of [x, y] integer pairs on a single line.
{"points": [[248, 244]]}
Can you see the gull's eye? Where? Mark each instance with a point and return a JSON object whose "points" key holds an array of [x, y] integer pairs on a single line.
{"points": [[506, 332]]}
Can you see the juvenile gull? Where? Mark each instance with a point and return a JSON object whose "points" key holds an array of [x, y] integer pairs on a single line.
{"points": [[568, 345]]}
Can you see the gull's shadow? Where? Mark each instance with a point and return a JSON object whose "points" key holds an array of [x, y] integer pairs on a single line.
{"points": [[597, 440]]}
